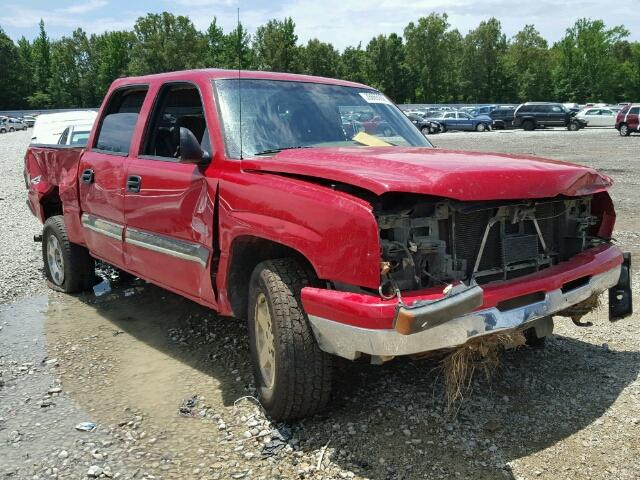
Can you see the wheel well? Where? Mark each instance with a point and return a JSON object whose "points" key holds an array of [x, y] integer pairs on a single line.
{"points": [[51, 204], [246, 253]]}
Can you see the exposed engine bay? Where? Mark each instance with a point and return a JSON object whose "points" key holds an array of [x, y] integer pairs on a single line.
{"points": [[427, 242]]}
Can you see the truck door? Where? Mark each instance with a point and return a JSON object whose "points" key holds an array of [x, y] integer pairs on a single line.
{"points": [[169, 205], [102, 170]]}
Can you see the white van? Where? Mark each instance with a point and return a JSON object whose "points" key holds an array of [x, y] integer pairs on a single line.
{"points": [[49, 126]]}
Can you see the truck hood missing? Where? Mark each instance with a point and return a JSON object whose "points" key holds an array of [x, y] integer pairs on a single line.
{"points": [[452, 174]]}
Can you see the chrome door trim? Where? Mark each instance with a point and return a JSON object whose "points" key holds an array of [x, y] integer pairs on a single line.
{"points": [[104, 227], [192, 252]]}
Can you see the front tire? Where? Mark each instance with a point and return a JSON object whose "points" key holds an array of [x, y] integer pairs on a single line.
{"points": [[528, 125], [624, 130], [481, 127], [292, 375], [425, 131], [68, 267], [573, 127]]}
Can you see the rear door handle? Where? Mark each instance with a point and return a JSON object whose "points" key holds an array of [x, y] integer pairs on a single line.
{"points": [[87, 176], [133, 183]]}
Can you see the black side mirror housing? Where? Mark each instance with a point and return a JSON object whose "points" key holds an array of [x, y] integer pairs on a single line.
{"points": [[190, 149]]}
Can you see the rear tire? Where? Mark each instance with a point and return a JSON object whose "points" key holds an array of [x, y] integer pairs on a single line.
{"points": [[528, 125], [624, 130], [292, 375], [68, 267], [11, 129]]}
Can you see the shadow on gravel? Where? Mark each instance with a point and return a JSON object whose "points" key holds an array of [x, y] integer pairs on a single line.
{"points": [[389, 421]]}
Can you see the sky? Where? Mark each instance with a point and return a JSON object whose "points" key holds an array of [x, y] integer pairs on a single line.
{"points": [[341, 22]]}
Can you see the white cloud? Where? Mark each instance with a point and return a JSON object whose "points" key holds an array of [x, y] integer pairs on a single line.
{"points": [[85, 7]]}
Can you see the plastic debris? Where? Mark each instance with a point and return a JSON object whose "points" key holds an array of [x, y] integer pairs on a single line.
{"points": [[100, 289], [129, 291], [187, 406], [86, 427], [279, 438]]}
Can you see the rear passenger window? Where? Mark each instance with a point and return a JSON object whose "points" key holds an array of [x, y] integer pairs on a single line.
{"points": [[634, 111], [178, 106], [119, 120]]}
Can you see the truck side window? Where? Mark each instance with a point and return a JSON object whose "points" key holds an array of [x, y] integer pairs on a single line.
{"points": [[119, 120], [178, 105]]}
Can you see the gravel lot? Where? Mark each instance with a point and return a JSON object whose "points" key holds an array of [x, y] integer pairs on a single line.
{"points": [[167, 382]]}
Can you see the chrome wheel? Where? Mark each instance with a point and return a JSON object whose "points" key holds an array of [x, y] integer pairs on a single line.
{"points": [[624, 130], [55, 260], [264, 341]]}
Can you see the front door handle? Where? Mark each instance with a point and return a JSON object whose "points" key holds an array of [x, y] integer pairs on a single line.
{"points": [[87, 176], [133, 183]]}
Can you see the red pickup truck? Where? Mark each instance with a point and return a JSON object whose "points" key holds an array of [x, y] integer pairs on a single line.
{"points": [[245, 193]]}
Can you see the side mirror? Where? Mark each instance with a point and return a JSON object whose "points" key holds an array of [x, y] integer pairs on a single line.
{"points": [[190, 149]]}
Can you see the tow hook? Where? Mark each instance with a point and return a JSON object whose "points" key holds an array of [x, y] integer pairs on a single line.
{"points": [[37, 238], [620, 299]]}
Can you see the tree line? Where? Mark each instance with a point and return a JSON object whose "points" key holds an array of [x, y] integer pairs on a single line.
{"points": [[430, 63]]}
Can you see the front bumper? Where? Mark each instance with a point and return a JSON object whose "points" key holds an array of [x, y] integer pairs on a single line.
{"points": [[599, 270]]}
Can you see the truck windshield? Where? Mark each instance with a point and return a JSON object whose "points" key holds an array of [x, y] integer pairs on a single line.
{"points": [[278, 115]]}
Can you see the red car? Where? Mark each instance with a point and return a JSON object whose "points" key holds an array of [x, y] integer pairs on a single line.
{"points": [[244, 193], [628, 120]]}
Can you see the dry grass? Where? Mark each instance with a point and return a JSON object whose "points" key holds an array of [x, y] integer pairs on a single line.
{"points": [[477, 355]]}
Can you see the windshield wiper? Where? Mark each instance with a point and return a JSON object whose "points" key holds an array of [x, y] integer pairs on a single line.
{"points": [[277, 150]]}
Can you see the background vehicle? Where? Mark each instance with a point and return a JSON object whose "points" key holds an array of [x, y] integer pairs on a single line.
{"points": [[597, 117], [48, 127], [30, 120], [11, 125], [309, 233], [502, 117], [76, 134], [427, 127], [628, 120], [463, 121], [532, 115]]}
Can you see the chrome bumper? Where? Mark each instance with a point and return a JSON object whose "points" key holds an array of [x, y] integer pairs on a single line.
{"points": [[349, 342]]}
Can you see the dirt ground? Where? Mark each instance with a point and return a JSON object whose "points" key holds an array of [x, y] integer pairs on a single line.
{"points": [[168, 384]]}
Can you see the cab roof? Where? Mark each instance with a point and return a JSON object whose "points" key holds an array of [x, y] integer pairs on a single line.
{"points": [[218, 73]]}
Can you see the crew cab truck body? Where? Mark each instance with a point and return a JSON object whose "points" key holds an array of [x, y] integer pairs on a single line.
{"points": [[244, 193]]}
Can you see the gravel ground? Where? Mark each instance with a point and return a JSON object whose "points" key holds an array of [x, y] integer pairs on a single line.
{"points": [[168, 384]]}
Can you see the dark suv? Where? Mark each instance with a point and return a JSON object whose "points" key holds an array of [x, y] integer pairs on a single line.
{"points": [[532, 115], [502, 117]]}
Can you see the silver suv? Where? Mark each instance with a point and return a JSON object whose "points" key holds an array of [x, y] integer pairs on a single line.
{"points": [[11, 125]]}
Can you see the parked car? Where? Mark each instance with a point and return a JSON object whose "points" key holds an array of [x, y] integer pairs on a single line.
{"points": [[597, 117], [463, 121], [11, 125], [502, 117], [76, 134], [427, 127], [532, 115], [49, 126], [329, 245], [628, 120], [30, 120]]}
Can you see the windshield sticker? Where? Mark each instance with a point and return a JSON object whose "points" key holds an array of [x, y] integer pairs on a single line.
{"points": [[374, 97]]}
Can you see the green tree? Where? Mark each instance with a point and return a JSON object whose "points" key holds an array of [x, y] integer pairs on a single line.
{"points": [[25, 85], [385, 66], [9, 69], [483, 69], [165, 42], [353, 64], [275, 46], [215, 45], [41, 61], [237, 51], [528, 60], [586, 65], [433, 53], [321, 59], [64, 84], [111, 55]]}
